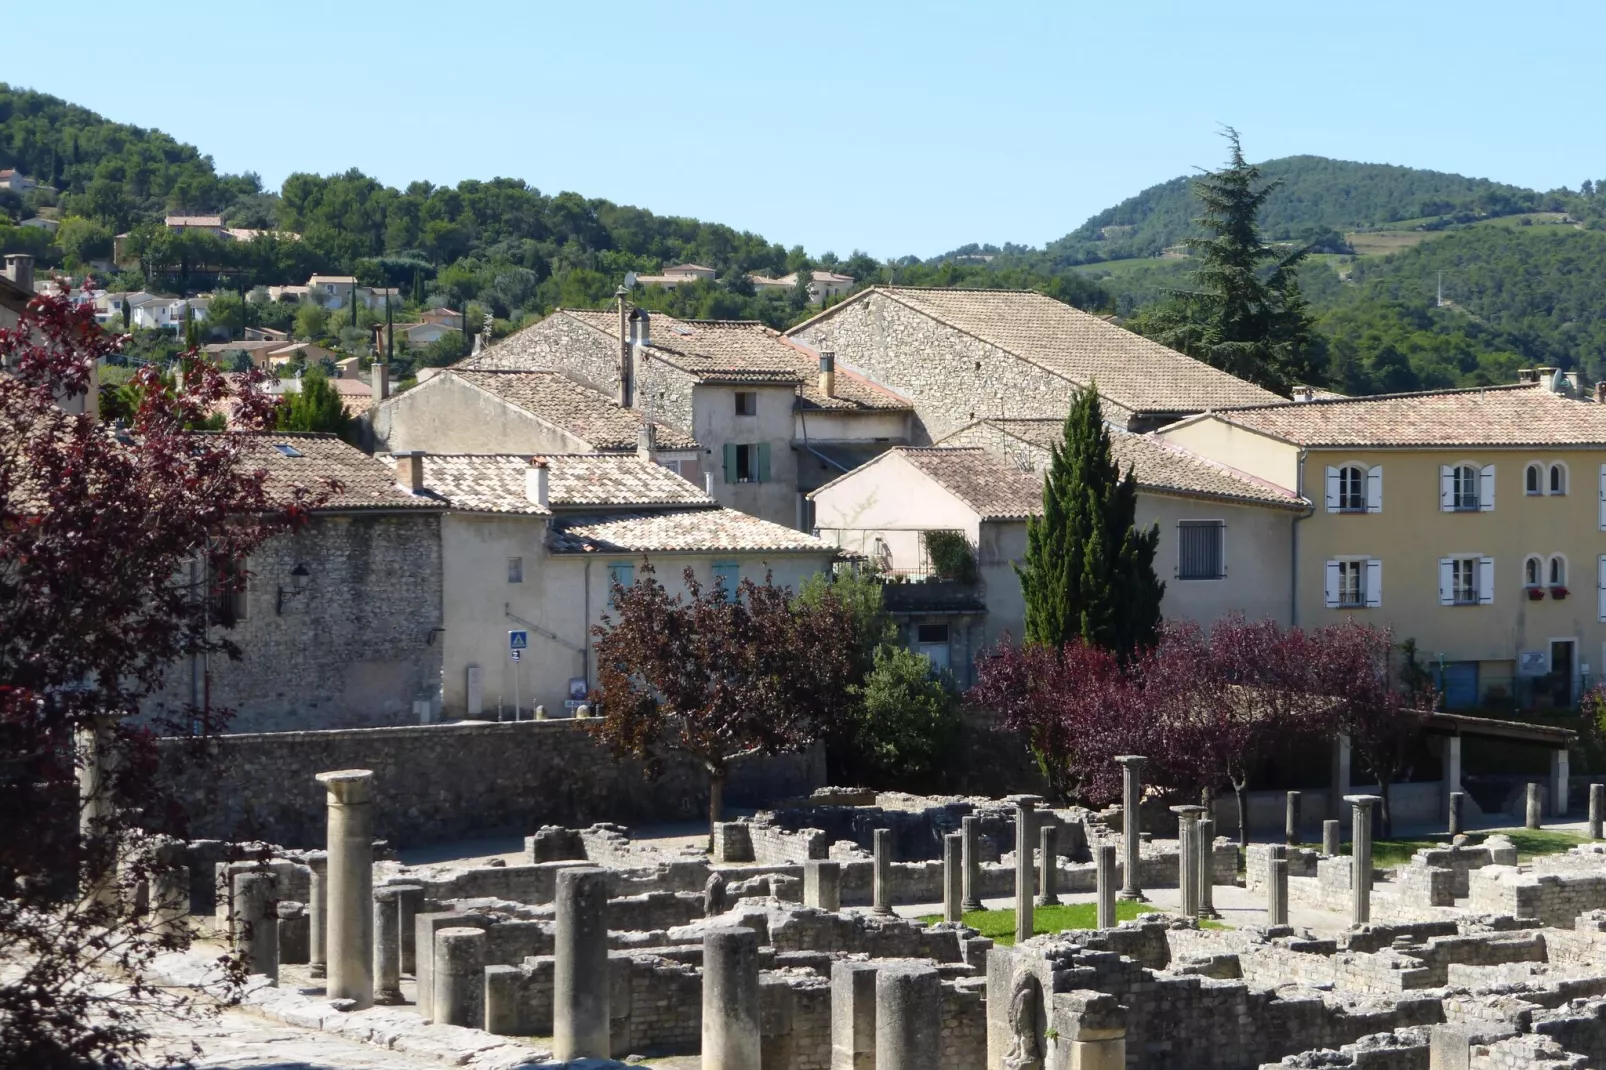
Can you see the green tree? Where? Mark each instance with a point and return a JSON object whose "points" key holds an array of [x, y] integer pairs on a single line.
{"points": [[315, 408], [905, 720], [312, 321], [1089, 572], [128, 313], [1245, 314]]}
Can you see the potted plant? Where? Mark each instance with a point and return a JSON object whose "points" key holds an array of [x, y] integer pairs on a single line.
{"points": [[1536, 594], [1558, 592]]}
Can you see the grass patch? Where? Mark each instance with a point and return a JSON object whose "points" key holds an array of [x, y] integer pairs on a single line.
{"points": [[1531, 843], [999, 925]]}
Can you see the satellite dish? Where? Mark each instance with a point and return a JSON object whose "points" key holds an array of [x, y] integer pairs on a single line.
{"points": [[630, 280]]}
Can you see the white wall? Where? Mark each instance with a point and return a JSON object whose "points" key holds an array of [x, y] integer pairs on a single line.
{"points": [[446, 415], [716, 423]]}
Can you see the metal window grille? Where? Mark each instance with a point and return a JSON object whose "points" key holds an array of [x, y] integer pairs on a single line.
{"points": [[1352, 583], [1199, 550]]}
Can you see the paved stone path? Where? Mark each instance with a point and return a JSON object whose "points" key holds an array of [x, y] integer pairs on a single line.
{"points": [[237, 1039]]}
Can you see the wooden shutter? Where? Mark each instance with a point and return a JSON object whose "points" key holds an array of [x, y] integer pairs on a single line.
{"points": [[1486, 489], [1374, 583], [1332, 489], [1603, 499], [730, 462], [1446, 582], [763, 473], [1374, 489], [1332, 584], [1446, 488], [1485, 580], [1601, 583]]}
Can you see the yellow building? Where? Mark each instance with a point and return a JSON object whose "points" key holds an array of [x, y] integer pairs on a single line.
{"points": [[1473, 521]]}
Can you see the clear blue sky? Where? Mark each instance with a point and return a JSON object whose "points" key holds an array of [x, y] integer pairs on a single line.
{"points": [[893, 127]]}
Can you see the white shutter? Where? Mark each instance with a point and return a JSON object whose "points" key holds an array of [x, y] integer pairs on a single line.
{"points": [[1374, 489], [1332, 487], [1486, 488], [1374, 583], [1446, 582], [1601, 597], [1332, 583], [1603, 501], [1446, 488], [1485, 580]]}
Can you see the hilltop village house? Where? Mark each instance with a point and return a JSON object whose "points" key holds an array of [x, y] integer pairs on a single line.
{"points": [[535, 545], [1225, 536]]}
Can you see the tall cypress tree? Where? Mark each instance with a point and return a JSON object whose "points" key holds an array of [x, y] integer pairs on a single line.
{"points": [[1089, 572], [1244, 314]]}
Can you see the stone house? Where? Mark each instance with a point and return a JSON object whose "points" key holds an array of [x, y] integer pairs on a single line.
{"points": [[967, 355], [1224, 535], [339, 623], [773, 419], [16, 288], [534, 545]]}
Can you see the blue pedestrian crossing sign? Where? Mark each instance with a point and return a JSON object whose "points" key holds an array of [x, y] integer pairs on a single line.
{"points": [[517, 641]]}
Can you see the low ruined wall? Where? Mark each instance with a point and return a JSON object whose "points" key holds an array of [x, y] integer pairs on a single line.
{"points": [[1556, 899], [436, 783]]}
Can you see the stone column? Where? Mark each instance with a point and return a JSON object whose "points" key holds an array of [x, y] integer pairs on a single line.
{"points": [[1206, 858], [1277, 892], [1340, 777], [1450, 1047], [1092, 1032], [970, 829], [1452, 765], [387, 946], [1535, 813], [1458, 802], [580, 981], [1361, 861], [459, 977], [731, 1039], [953, 876], [1023, 866], [349, 923], [170, 898], [1597, 809], [256, 924], [1047, 866], [1131, 819], [822, 884], [95, 807], [292, 933], [1332, 839], [908, 1016], [409, 897], [1106, 885], [1187, 861], [881, 891], [1290, 819], [853, 1014], [1560, 781], [318, 912]]}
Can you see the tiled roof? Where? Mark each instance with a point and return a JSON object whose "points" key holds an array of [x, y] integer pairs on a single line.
{"points": [[1522, 415], [351, 388], [587, 414], [740, 351], [1131, 371], [194, 221], [1159, 465], [678, 530], [495, 482], [993, 486], [306, 459]]}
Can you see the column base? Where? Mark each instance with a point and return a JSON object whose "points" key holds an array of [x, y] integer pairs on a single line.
{"points": [[1209, 912], [972, 904], [1132, 895], [317, 969], [1047, 901], [383, 998], [884, 912]]}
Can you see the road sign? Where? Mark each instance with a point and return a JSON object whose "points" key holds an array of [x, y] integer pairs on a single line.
{"points": [[518, 640], [515, 655]]}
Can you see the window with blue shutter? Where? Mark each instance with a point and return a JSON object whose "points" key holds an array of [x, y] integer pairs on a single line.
{"points": [[728, 575], [623, 575]]}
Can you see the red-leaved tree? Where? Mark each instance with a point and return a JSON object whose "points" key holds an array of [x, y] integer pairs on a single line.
{"points": [[715, 674], [110, 541]]}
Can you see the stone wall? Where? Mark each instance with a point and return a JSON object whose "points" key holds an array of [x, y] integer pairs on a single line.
{"points": [[435, 783], [356, 647], [1553, 898]]}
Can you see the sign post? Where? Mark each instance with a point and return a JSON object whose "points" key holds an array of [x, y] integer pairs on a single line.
{"points": [[517, 643]]}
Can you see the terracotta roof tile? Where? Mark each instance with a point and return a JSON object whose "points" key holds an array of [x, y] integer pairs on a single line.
{"points": [[679, 530], [305, 459], [587, 414], [495, 482], [995, 487]]}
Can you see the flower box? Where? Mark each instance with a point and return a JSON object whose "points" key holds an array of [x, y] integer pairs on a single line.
{"points": [[1558, 593], [1536, 594]]}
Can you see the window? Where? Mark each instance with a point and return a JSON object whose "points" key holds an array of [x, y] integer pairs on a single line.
{"points": [[1533, 572], [1199, 550], [747, 463], [1466, 580], [746, 403], [1351, 489], [229, 593], [1558, 571], [1532, 480], [623, 575], [1355, 488], [1558, 479], [728, 575], [515, 570], [928, 634], [1354, 583], [1466, 487], [1351, 583]]}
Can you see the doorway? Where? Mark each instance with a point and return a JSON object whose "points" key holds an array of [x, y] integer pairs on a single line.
{"points": [[1563, 672]]}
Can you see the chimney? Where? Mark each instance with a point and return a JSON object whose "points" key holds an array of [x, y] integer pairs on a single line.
{"points": [[19, 269], [537, 482], [647, 442], [625, 340], [1304, 393], [379, 380], [1527, 375], [708, 484], [828, 374], [643, 327], [410, 470]]}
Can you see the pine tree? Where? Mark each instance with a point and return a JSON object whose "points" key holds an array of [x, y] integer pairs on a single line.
{"points": [[1088, 572], [316, 407], [1245, 314]]}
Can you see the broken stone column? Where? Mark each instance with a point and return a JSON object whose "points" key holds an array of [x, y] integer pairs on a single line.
{"points": [[1131, 804], [1206, 858], [970, 829], [1047, 868], [292, 932], [317, 913], [1340, 777], [1291, 819], [350, 891], [853, 1014], [580, 976], [1187, 859], [387, 946], [908, 1016], [1105, 874], [1092, 1031], [731, 1038], [1597, 809], [953, 876], [1023, 866], [409, 897], [822, 884], [1277, 893], [459, 977], [256, 924], [1332, 838], [1560, 781], [1450, 1047], [1360, 883], [1458, 802], [1535, 813], [1452, 765], [881, 896], [170, 898]]}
